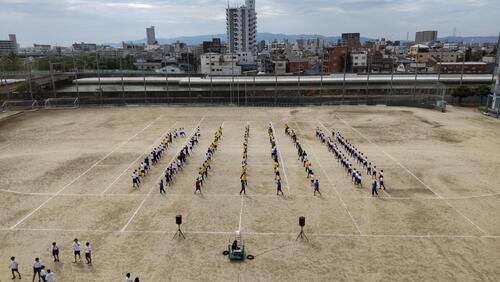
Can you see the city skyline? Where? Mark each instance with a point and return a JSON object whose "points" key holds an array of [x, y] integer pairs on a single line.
{"points": [[62, 22]]}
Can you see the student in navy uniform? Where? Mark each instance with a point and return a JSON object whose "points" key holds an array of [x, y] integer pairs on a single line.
{"points": [[243, 187], [316, 187], [374, 188], [278, 188], [162, 188]]}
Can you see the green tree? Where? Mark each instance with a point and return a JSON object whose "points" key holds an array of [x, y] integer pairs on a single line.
{"points": [[11, 62], [462, 92], [482, 91], [24, 90]]}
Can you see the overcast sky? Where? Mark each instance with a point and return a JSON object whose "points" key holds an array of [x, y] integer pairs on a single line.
{"points": [[63, 22]]}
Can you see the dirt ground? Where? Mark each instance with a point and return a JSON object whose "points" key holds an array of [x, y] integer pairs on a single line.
{"points": [[65, 174]]}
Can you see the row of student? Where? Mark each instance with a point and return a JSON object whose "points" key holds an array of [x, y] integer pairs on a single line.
{"points": [[207, 163], [355, 174], [360, 158], [155, 156], [341, 158], [304, 159], [46, 275], [179, 161], [276, 161], [244, 162]]}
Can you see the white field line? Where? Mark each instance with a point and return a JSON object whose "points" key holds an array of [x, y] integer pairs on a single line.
{"points": [[328, 131], [242, 203], [345, 235], [281, 158], [137, 159], [118, 195], [99, 195], [84, 173], [333, 186], [241, 212], [159, 178], [412, 174]]}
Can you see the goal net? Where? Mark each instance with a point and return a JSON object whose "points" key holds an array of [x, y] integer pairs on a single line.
{"points": [[19, 105], [62, 103]]}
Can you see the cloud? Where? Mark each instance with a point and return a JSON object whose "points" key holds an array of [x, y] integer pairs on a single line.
{"points": [[67, 21]]}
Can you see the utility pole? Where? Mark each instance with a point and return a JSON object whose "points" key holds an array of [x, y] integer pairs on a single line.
{"points": [[345, 69], [75, 70], [51, 68], [122, 82]]}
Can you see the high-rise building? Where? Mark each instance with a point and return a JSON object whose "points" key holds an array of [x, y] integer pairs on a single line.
{"points": [[426, 36], [241, 26], [8, 46], [151, 38], [351, 40]]}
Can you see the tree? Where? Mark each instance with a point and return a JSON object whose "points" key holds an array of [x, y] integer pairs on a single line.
{"points": [[482, 91], [11, 62], [462, 92], [24, 90]]}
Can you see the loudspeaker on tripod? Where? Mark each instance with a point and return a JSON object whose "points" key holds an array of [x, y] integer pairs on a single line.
{"points": [[302, 221]]}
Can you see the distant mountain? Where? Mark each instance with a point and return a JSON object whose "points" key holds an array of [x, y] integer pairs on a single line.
{"points": [[195, 40]]}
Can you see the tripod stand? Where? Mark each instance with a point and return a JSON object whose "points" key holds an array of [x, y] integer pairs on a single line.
{"points": [[179, 233], [302, 235]]}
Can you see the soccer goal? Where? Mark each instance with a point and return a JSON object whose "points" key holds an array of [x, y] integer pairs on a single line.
{"points": [[19, 105], [61, 103]]}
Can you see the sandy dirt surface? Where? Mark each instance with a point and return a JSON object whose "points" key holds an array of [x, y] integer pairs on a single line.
{"points": [[66, 174]]}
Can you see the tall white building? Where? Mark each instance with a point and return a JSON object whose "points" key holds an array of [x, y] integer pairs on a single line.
{"points": [[151, 37], [241, 24]]}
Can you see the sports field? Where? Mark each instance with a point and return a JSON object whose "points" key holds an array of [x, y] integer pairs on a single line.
{"points": [[66, 174]]}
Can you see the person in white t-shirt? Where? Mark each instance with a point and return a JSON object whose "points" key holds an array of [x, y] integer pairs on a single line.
{"points": [[51, 277], [14, 267], [127, 278], [88, 255], [37, 268], [77, 249], [43, 274]]}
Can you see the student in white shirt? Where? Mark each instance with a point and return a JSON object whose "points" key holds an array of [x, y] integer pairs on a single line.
{"points": [[77, 249], [51, 277], [14, 267], [88, 255], [37, 268]]}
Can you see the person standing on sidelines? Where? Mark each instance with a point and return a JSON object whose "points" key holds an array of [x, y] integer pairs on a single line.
{"points": [[51, 277], [77, 249], [37, 268], [374, 188], [55, 252], [88, 253], [14, 268]]}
